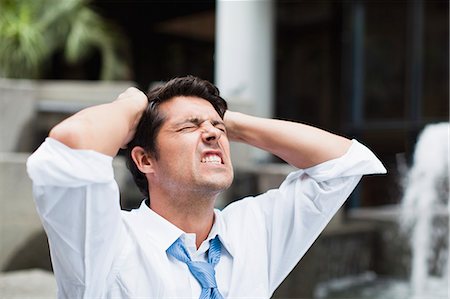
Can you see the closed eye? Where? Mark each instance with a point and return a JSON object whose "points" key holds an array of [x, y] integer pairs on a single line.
{"points": [[187, 128], [219, 125], [222, 128]]}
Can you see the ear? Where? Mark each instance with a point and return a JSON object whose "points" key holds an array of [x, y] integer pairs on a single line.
{"points": [[142, 160]]}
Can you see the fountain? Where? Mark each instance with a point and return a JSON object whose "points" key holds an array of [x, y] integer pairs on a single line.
{"points": [[425, 211], [423, 218]]}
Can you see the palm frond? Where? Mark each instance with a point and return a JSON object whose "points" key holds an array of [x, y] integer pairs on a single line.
{"points": [[31, 31]]}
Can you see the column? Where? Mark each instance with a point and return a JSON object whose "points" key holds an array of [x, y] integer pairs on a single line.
{"points": [[244, 56]]}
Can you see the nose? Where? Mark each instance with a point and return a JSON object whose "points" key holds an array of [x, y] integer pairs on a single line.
{"points": [[210, 133]]}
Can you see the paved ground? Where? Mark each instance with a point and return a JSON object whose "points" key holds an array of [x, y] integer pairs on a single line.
{"points": [[27, 284]]}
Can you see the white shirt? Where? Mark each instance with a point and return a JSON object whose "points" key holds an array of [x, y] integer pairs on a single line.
{"points": [[99, 251]]}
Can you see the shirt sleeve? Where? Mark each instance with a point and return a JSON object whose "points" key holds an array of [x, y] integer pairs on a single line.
{"points": [[77, 200], [295, 214]]}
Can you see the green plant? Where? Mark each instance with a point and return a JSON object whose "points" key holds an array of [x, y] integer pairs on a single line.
{"points": [[32, 31]]}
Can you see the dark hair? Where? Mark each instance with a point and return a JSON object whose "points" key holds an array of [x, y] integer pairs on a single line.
{"points": [[152, 119]]}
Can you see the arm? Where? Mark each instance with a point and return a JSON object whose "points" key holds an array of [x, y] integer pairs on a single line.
{"points": [[290, 218], [300, 145], [77, 198], [103, 128]]}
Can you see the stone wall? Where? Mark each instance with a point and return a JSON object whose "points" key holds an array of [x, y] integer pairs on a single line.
{"points": [[18, 217], [17, 110], [27, 106]]}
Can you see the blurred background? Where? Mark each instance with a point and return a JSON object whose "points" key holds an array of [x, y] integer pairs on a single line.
{"points": [[377, 71]]}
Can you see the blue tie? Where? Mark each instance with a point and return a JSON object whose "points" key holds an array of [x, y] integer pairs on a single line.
{"points": [[203, 272]]}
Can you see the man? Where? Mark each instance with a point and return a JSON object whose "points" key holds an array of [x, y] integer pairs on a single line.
{"points": [[176, 245]]}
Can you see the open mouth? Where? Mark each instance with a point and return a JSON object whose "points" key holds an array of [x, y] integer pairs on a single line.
{"points": [[212, 159]]}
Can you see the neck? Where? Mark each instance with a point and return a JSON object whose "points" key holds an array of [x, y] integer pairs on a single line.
{"points": [[192, 213]]}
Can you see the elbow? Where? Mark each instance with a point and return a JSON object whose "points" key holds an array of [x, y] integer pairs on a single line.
{"points": [[66, 135]]}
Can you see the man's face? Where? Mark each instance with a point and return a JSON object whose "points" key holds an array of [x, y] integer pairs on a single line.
{"points": [[194, 153]]}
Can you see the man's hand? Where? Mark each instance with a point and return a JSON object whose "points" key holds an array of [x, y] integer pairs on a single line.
{"points": [[103, 128], [133, 96], [230, 118]]}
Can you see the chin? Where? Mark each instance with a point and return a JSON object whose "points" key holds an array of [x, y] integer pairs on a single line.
{"points": [[222, 186], [218, 185]]}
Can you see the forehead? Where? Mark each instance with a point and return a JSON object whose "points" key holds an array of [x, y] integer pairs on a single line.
{"points": [[183, 107]]}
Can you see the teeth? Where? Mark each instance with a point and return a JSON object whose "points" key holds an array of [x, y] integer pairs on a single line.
{"points": [[212, 159]]}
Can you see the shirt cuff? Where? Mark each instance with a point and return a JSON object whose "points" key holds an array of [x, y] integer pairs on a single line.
{"points": [[358, 160], [54, 163]]}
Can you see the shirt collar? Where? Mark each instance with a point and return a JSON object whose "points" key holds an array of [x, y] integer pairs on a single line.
{"points": [[165, 233], [219, 229], [158, 228]]}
